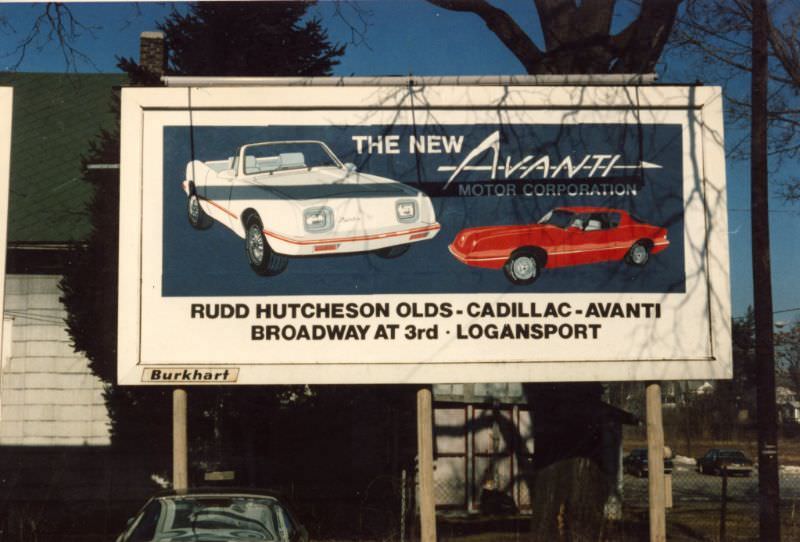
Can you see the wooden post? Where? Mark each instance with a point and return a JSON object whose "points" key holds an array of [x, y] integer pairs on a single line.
{"points": [[655, 463], [180, 452], [668, 491], [723, 511], [427, 503]]}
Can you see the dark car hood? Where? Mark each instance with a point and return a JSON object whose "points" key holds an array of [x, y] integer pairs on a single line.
{"points": [[217, 535], [324, 184]]}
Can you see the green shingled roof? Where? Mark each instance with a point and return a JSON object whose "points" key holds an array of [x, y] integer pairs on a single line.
{"points": [[55, 118]]}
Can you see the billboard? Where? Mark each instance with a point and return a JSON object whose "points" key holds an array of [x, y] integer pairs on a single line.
{"points": [[422, 233]]}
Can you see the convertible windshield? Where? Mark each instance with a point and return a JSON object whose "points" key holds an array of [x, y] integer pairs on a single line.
{"points": [[558, 218], [279, 156]]}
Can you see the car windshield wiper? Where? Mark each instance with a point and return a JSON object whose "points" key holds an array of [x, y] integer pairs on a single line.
{"points": [[193, 523]]}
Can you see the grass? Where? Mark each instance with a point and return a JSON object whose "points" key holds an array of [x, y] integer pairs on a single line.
{"points": [[689, 522], [701, 521]]}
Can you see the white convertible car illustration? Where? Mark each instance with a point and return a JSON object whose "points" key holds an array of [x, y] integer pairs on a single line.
{"points": [[295, 198]]}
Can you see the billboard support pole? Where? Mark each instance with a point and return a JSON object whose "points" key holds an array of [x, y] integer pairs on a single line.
{"points": [[180, 450], [427, 503], [655, 462]]}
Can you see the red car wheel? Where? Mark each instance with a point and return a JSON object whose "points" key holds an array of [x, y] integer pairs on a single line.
{"points": [[523, 266], [638, 254]]}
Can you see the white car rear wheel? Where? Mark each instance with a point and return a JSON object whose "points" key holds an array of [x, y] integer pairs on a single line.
{"points": [[198, 218]]}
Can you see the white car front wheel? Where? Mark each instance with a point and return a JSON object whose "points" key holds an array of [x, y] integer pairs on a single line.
{"points": [[263, 260]]}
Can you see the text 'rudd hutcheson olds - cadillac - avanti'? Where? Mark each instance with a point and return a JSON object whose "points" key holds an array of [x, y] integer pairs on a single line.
{"points": [[296, 198]]}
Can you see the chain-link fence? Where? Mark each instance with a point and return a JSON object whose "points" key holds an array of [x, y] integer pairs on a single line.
{"points": [[711, 496], [713, 489]]}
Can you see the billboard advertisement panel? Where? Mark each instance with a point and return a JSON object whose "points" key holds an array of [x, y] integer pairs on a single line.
{"points": [[422, 233]]}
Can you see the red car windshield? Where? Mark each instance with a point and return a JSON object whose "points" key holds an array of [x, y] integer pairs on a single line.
{"points": [[558, 217]]}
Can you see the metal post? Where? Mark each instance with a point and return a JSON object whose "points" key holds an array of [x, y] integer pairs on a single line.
{"points": [[655, 463], [427, 503], [768, 482], [180, 453]]}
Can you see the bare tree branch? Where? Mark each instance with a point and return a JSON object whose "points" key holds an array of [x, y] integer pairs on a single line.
{"points": [[503, 26], [577, 35], [356, 16], [559, 17], [646, 35], [55, 24], [720, 30], [787, 53]]}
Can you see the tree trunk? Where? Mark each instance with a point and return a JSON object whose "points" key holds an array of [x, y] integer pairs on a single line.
{"points": [[568, 500]]}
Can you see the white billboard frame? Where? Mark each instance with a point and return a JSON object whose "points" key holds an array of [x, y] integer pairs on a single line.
{"points": [[152, 336]]}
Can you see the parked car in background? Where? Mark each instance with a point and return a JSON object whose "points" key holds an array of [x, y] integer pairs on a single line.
{"points": [[635, 463], [296, 198], [563, 237], [733, 461], [214, 516]]}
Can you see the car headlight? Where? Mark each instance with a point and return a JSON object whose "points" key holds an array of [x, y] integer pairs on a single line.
{"points": [[317, 219], [406, 210]]}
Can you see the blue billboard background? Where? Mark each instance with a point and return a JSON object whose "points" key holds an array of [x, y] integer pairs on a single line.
{"points": [[213, 262]]}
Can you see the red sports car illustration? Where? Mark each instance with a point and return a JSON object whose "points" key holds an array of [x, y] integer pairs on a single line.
{"points": [[563, 237]]}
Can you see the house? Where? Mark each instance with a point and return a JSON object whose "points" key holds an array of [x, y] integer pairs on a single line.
{"points": [[57, 466], [784, 395], [485, 440], [789, 412], [788, 405], [49, 396]]}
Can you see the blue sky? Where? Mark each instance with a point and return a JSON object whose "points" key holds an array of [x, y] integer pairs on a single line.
{"points": [[414, 37]]}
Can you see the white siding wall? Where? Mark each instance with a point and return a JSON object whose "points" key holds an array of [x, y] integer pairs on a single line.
{"points": [[48, 396]]}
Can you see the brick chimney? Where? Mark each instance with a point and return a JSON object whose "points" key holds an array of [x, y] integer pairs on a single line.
{"points": [[153, 53]]}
